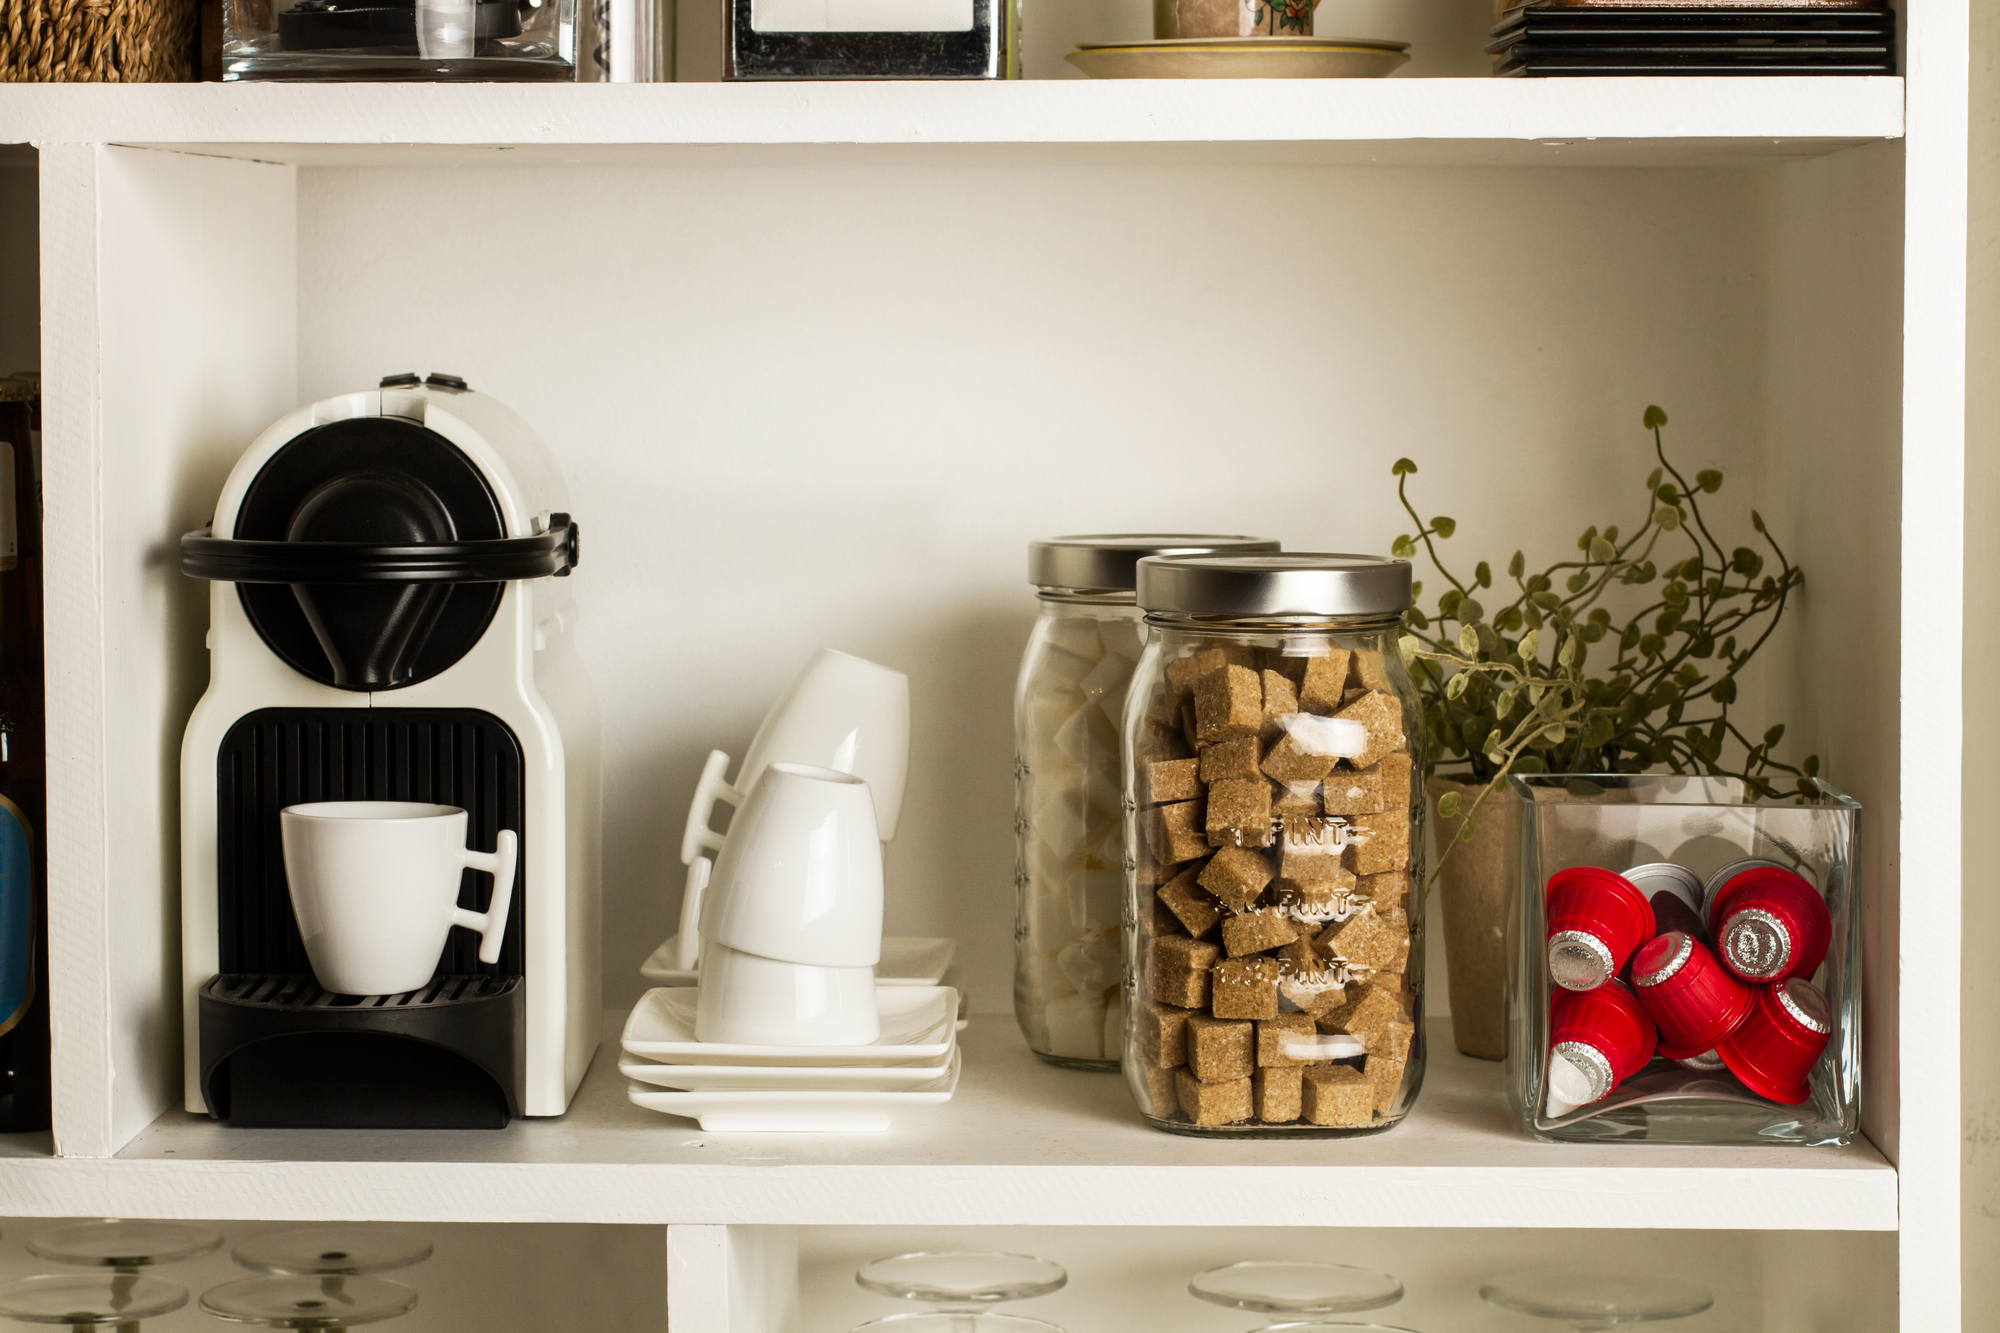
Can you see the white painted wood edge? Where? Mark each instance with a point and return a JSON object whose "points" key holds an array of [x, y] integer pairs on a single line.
{"points": [[1042, 111], [1806, 1199]]}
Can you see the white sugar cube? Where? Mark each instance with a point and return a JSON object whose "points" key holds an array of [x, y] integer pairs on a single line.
{"points": [[1048, 913], [1078, 637], [1076, 1027], [1045, 979], [1089, 738], [1124, 638], [1094, 897], [1093, 964], [1112, 673]]}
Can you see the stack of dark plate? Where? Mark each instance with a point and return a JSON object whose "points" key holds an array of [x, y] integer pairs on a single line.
{"points": [[1549, 38]]}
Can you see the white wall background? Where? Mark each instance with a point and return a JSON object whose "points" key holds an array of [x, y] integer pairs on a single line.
{"points": [[831, 406]]}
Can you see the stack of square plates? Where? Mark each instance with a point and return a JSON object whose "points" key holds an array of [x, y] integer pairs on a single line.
{"points": [[1544, 40], [800, 1088]]}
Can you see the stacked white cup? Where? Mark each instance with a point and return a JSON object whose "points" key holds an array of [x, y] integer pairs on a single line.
{"points": [[791, 926]]}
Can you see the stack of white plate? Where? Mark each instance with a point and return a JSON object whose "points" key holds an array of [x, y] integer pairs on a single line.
{"points": [[798, 1088], [907, 960]]}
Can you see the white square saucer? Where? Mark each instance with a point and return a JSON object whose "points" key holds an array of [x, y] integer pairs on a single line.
{"points": [[824, 1111], [917, 1029]]}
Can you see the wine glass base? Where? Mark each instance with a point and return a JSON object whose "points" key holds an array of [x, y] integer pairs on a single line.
{"points": [[1594, 1300]]}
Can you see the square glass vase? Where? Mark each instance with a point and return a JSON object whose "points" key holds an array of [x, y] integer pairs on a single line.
{"points": [[1704, 824]]}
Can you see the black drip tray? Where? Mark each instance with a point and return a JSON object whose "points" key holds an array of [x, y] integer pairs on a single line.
{"points": [[280, 1051], [285, 992]]}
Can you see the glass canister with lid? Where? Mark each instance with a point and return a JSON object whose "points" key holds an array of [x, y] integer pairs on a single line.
{"points": [[1274, 845], [1069, 847]]}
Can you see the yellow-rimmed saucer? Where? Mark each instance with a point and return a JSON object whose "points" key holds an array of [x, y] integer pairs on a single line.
{"points": [[1241, 58]]}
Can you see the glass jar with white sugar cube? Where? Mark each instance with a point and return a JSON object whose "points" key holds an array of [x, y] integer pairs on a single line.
{"points": [[1069, 848], [1274, 848]]}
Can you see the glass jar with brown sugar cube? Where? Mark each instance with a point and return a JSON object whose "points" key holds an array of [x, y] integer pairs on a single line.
{"points": [[1274, 845]]}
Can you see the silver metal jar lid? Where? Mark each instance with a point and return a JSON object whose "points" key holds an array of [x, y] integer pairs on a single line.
{"points": [[1110, 559], [1280, 584]]}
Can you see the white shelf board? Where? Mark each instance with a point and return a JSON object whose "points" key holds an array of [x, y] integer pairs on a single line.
{"points": [[1391, 120], [1023, 1143]]}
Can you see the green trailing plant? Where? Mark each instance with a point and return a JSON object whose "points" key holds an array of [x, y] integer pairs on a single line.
{"points": [[1509, 688]]}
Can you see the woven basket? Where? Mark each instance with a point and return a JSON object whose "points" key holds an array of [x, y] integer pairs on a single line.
{"points": [[97, 41]]}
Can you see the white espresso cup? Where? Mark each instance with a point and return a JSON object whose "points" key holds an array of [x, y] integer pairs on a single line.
{"points": [[841, 712], [375, 889], [800, 879], [755, 1001]]}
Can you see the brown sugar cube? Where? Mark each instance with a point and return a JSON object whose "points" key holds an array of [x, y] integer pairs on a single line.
{"points": [[1148, 868], [1188, 728], [1315, 861], [1163, 1034], [1369, 671], [1213, 1103], [1218, 1050], [1163, 739], [1172, 780], [1356, 791], [1235, 875], [1176, 832], [1177, 969], [1305, 751], [1255, 931], [1316, 994], [1381, 842], [1368, 1010], [1336, 1095], [1392, 1041], [1385, 1067], [1183, 672], [1297, 800], [1195, 907], [1155, 919], [1245, 988], [1272, 1034], [1352, 695], [1239, 813], [1275, 1094], [1382, 716], [1302, 901], [1162, 1097], [1281, 699], [1363, 940], [1227, 704], [1228, 760], [1325, 678], [1392, 775], [1384, 890]]}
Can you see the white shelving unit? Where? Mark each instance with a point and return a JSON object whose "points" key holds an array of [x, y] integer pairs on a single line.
{"points": [[820, 358]]}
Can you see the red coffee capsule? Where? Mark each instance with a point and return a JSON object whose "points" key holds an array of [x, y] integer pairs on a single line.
{"points": [[1692, 998], [1769, 924], [1598, 1039], [1779, 1043], [1596, 919]]}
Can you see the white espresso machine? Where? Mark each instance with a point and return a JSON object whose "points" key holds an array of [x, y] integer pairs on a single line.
{"points": [[390, 618]]}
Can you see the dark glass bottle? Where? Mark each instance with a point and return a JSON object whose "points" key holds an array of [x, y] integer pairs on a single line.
{"points": [[24, 964]]}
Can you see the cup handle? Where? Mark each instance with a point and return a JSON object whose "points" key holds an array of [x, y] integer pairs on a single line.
{"points": [[492, 923], [687, 947], [699, 837]]}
